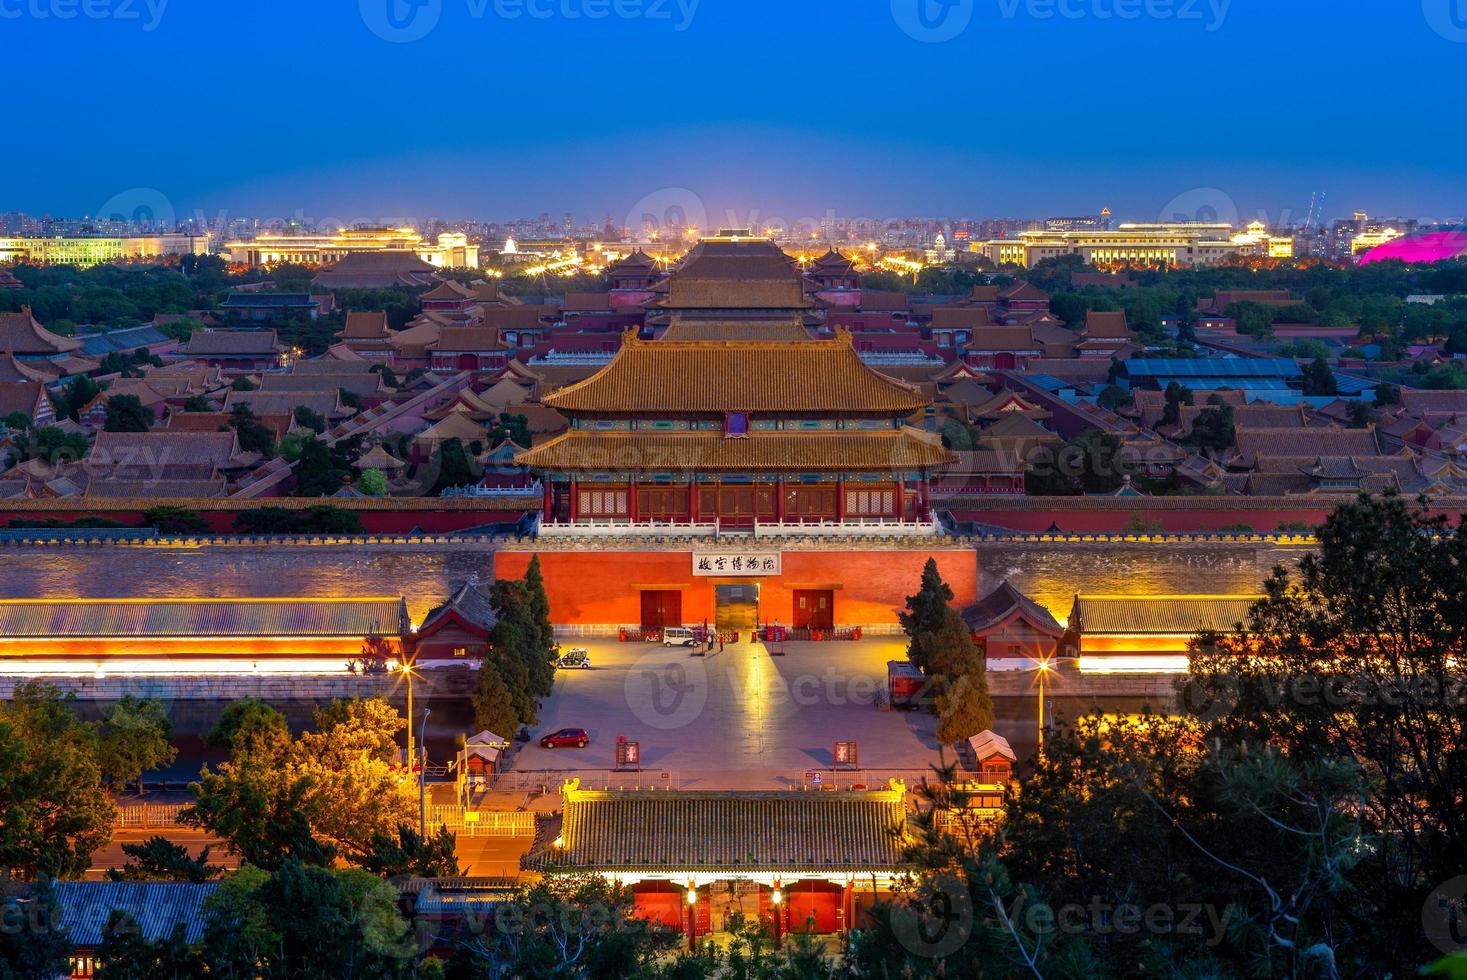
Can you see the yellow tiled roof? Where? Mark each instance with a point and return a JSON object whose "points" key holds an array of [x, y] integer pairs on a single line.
{"points": [[817, 377], [646, 452], [691, 831], [1173, 615]]}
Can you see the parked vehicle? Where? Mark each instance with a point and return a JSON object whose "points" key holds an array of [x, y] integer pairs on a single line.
{"points": [[566, 738], [679, 636], [575, 657]]}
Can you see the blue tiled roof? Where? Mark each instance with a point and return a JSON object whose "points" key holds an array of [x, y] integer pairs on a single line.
{"points": [[128, 339], [1048, 382], [1212, 367], [262, 299], [1348, 385], [1214, 384]]}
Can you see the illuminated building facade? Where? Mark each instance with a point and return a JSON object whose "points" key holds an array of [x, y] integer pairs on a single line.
{"points": [[1176, 244], [86, 252], [809, 861], [452, 250]]}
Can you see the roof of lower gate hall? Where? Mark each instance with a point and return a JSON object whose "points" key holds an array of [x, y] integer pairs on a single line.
{"points": [[184, 618], [681, 832], [670, 377], [1164, 615], [587, 450]]}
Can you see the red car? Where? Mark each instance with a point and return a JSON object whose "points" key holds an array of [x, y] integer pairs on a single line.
{"points": [[566, 737]]}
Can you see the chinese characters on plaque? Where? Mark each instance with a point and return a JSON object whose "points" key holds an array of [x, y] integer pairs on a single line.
{"points": [[736, 563]]}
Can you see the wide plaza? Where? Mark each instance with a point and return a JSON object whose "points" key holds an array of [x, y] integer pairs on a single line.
{"points": [[743, 718]]}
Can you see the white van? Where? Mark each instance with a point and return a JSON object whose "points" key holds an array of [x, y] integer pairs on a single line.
{"points": [[678, 636]]}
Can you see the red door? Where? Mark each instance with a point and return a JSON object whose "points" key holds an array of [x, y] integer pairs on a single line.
{"points": [[813, 907], [814, 609], [661, 608], [668, 909]]}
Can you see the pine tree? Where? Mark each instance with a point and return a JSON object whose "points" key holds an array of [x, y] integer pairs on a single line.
{"points": [[927, 609]]}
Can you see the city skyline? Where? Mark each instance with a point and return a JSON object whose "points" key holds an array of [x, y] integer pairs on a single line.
{"points": [[1031, 108]]}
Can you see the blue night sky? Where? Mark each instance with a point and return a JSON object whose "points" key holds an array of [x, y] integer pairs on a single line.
{"points": [[784, 108]]}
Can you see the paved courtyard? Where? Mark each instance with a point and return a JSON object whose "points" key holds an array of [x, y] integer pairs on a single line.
{"points": [[737, 719]]}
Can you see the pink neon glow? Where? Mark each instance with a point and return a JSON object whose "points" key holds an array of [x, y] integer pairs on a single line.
{"points": [[1431, 246]]}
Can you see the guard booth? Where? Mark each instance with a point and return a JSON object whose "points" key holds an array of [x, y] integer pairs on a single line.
{"points": [[477, 762]]}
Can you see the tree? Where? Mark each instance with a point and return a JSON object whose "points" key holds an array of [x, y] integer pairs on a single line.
{"points": [[1093, 462], [49, 444], [197, 403], [54, 811], [242, 384], [1387, 394], [1213, 428], [515, 428], [1176, 397], [159, 859], [407, 855], [964, 708], [136, 737], [249, 725], [309, 419], [454, 467], [317, 472], [78, 393], [373, 483], [1359, 415], [494, 705], [1347, 660], [16, 422], [1113, 397], [948, 651], [310, 799], [926, 610], [36, 943], [566, 926], [254, 437], [169, 519], [1319, 379], [126, 954]]}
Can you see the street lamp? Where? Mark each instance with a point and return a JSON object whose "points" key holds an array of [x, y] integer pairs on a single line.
{"points": [[406, 668], [422, 774], [1043, 668], [775, 900], [692, 917]]}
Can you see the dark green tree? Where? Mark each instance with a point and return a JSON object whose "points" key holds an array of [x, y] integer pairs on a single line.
{"points": [[1319, 379], [159, 859], [54, 810], [407, 855], [926, 610], [35, 944], [254, 437], [171, 519], [454, 467]]}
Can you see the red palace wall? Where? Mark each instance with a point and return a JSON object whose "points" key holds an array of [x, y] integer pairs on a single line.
{"points": [[869, 586]]}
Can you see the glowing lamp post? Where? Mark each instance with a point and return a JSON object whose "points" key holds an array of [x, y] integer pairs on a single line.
{"points": [[692, 917], [1042, 669], [776, 901]]}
